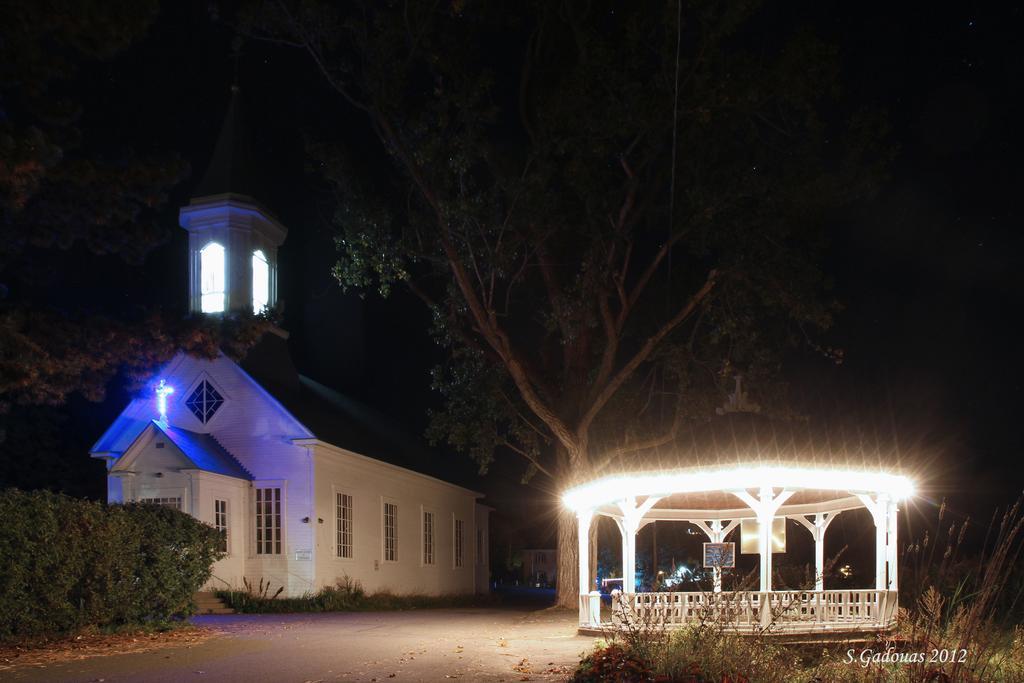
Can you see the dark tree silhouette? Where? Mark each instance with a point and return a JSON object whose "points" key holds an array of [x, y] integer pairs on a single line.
{"points": [[609, 209], [60, 191]]}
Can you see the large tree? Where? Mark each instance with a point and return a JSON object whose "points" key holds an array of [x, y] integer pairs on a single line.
{"points": [[609, 208]]}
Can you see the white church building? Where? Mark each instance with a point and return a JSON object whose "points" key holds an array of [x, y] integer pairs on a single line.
{"points": [[302, 483]]}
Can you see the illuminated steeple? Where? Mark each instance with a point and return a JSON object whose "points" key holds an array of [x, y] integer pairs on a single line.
{"points": [[233, 238]]}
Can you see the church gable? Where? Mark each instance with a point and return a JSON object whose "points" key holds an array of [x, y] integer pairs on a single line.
{"points": [[214, 397], [160, 446], [151, 451]]}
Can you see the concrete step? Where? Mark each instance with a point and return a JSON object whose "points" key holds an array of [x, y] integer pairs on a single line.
{"points": [[209, 603], [217, 610]]}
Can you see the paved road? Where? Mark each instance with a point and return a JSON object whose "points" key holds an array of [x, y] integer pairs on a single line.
{"points": [[491, 644]]}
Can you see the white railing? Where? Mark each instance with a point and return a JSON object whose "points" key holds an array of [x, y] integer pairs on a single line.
{"points": [[784, 611]]}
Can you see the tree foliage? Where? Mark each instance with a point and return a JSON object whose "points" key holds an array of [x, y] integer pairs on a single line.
{"points": [[61, 190], [610, 209]]}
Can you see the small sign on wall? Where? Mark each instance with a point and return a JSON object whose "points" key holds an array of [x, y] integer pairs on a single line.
{"points": [[303, 555], [721, 555]]}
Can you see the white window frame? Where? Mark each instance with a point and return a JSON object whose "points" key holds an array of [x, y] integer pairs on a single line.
{"points": [[281, 549], [458, 542], [224, 516], [225, 399], [173, 502], [428, 545], [208, 282], [338, 530], [385, 503], [260, 263]]}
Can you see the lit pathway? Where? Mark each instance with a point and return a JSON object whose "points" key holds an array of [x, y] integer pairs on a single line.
{"points": [[485, 644]]}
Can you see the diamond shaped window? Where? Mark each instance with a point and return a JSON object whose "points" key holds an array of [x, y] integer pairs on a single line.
{"points": [[204, 401]]}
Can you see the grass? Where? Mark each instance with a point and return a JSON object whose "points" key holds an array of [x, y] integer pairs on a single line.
{"points": [[968, 606], [346, 596]]}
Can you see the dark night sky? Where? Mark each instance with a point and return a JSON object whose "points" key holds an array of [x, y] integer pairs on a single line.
{"points": [[926, 271]]}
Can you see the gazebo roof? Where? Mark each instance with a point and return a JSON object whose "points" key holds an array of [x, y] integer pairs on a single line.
{"points": [[703, 483]]}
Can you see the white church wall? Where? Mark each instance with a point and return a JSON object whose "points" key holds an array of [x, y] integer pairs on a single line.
{"points": [[371, 483], [254, 428], [209, 488], [156, 472], [293, 567]]}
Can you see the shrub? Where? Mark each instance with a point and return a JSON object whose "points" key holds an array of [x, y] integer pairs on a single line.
{"points": [[345, 596], [613, 663], [70, 563]]}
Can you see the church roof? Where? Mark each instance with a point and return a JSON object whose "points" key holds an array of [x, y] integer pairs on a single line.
{"points": [[342, 421], [204, 451], [119, 436], [231, 169]]}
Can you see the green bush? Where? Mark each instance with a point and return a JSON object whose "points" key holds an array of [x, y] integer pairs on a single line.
{"points": [[70, 563], [613, 663]]}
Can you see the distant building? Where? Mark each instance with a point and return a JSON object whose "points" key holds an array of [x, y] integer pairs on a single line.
{"points": [[540, 566], [297, 478]]}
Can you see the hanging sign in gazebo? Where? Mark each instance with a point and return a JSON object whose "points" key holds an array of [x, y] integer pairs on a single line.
{"points": [[750, 532], [720, 555]]}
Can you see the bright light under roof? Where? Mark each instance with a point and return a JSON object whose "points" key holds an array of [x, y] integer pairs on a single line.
{"points": [[614, 489]]}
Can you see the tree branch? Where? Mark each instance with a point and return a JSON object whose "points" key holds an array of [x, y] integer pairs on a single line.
{"points": [[512, 447], [644, 353], [654, 442]]}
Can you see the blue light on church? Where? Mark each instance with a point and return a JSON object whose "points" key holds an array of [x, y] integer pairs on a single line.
{"points": [[162, 391]]}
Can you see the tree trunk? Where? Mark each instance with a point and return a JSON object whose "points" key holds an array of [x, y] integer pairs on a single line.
{"points": [[568, 589]]}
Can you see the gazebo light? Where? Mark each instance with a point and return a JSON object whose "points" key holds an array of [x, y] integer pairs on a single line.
{"points": [[759, 495], [613, 489]]}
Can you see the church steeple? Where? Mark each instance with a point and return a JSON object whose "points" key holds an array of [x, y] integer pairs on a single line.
{"points": [[230, 169], [233, 239]]}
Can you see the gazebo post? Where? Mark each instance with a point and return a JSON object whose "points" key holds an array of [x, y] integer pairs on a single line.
{"points": [[716, 537], [883, 512], [818, 529], [629, 556], [765, 517], [891, 544], [765, 506], [819, 552], [583, 520], [628, 526], [631, 521]]}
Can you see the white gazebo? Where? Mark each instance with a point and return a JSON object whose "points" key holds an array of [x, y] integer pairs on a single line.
{"points": [[719, 500]]}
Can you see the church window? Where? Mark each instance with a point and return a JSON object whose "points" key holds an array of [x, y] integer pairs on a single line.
{"points": [[344, 504], [268, 521], [212, 278], [260, 282], [428, 537], [173, 503], [390, 532], [220, 523], [458, 545], [204, 401]]}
